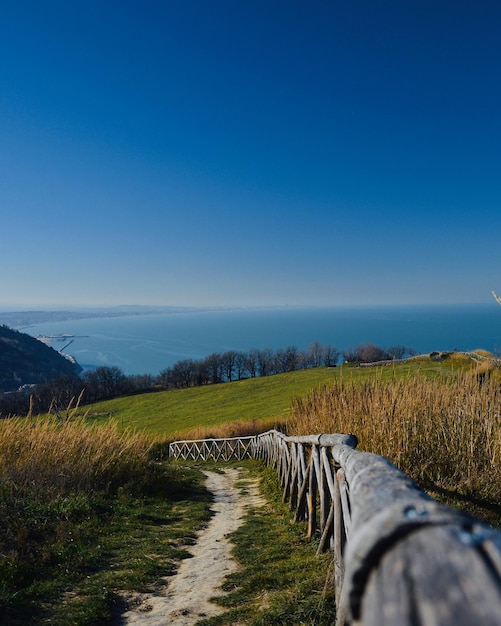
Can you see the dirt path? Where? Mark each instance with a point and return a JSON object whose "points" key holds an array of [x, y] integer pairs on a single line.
{"points": [[183, 599]]}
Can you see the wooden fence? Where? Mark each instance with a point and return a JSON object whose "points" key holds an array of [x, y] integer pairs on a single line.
{"points": [[400, 557], [214, 449]]}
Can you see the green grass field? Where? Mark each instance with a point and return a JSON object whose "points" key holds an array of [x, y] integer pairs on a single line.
{"points": [[165, 414]]}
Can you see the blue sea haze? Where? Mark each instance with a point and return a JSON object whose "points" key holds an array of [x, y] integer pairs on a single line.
{"points": [[142, 344]]}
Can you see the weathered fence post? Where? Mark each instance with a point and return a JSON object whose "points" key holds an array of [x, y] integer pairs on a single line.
{"points": [[410, 560], [312, 492]]}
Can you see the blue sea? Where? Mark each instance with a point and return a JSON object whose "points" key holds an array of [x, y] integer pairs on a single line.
{"points": [[141, 344]]}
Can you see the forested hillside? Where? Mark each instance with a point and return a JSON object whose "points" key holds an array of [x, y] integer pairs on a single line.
{"points": [[25, 360]]}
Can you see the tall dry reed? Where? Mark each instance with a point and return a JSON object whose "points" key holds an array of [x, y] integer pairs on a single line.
{"points": [[50, 458], [445, 432]]}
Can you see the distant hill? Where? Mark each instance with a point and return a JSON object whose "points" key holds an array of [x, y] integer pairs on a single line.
{"points": [[25, 360], [20, 319]]}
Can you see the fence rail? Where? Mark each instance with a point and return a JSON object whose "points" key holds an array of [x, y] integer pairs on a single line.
{"points": [[400, 557]]}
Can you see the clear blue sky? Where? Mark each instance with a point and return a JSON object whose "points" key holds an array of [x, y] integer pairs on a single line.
{"points": [[255, 152]]}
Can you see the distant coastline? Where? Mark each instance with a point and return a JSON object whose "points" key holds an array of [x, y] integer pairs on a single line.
{"points": [[150, 341], [26, 319], [22, 319], [50, 339]]}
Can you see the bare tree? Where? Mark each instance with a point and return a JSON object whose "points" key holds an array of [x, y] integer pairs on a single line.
{"points": [[214, 367], [396, 352], [265, 360], [164, 378], [315, 354], [105, 382], [139, 382], [279, 362], [183, 373], [228, 364], [302, 360], [251, 362], [58, 392], [331, 356], [350, 355], [202, 375], [240, 364], [291, 358], [370, 353]]}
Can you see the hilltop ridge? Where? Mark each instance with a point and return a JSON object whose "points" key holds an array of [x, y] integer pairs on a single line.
{"points": [[25, 360]]}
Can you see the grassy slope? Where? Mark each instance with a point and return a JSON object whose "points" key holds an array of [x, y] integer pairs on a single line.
{"points": [[168, 413]]}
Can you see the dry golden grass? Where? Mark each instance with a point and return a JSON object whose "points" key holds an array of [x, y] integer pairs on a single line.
{"points": [[231, 429], [445, 432], [484, 353], [50, 458]]}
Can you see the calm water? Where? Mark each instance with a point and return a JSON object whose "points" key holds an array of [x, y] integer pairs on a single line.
{"points": [[150, 343]]}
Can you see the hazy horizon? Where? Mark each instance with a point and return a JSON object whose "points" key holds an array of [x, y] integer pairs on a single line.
{"points": [[165, 307]]}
